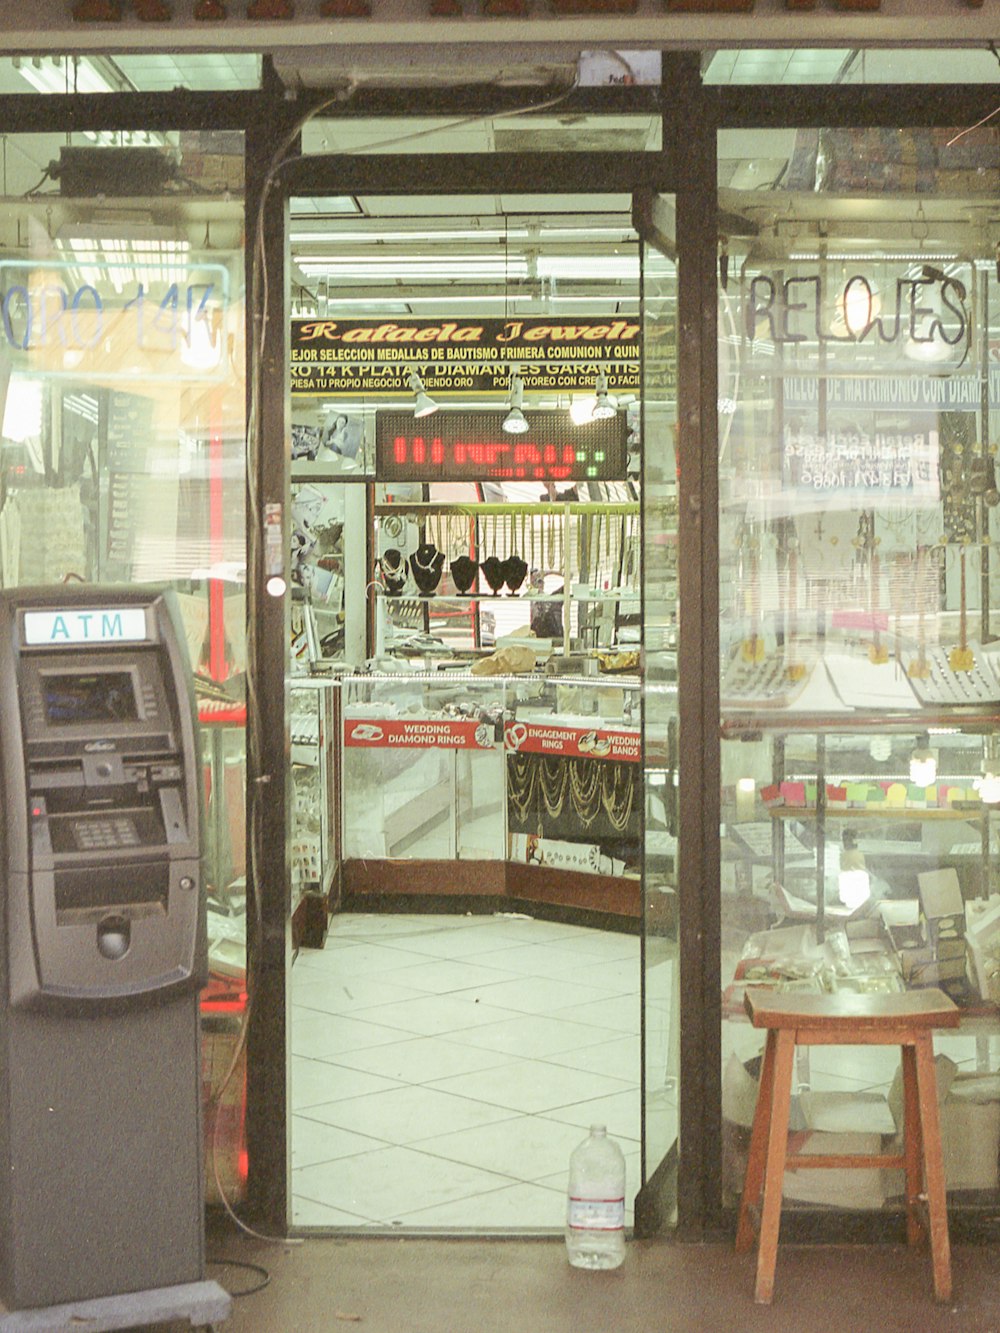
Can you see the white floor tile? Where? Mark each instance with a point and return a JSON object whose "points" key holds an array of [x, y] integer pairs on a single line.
{"points": [[434, 1015], [314, 1082], [309, 1213], [367, 959], [541, 995], [439, 976], [332, 994], [385, 1186], [524, 1148], [313, 1142], [543, 960], [528, 930], [407, 1114], [530, 1206], [619, 1113], [536, 1035], [618, 1058], [603, 946], [619, 1012], [490, 1042], [531, 1086], [324, 1035], [423, 1059], [480, 937]]}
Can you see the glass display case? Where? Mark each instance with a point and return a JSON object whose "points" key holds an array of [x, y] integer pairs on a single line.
{"points": [[859, 687], [312, 723], [423, 767], [507, 772]]}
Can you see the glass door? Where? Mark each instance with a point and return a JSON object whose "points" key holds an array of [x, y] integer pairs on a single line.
{"points": [[471, 586], [661, 1011]]}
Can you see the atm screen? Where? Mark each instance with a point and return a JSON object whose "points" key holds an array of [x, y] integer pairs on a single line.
{"points": [[105, 696]]}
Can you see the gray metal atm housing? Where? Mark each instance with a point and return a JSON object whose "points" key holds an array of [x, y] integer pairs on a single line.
{"points": [[102, 948]]}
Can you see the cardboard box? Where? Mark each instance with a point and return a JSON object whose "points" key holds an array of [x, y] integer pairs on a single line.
{"points": [[942, 908], [983, 925], [854, 1188], [969, 1106]]}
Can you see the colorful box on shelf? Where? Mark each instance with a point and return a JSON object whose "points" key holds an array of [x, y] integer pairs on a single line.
{"points": [[772, 796], [801, 795]]}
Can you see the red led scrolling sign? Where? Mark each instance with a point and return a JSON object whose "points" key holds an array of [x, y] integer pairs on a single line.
{"points": [[457, 446]]}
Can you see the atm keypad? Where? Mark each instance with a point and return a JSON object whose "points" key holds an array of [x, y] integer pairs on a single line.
{"points": [[97, 834]]}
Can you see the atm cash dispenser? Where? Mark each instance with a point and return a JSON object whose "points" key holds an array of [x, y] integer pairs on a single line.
{"points": [[102, 954]]}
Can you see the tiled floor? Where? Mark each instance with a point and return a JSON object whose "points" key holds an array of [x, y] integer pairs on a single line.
{"points": [[444, 1067]]}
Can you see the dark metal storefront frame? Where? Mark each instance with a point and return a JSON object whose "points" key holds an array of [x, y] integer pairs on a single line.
{"points": [[685, 167]]}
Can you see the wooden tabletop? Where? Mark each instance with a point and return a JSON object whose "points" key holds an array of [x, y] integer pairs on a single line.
{"points": [[911, 1008]]}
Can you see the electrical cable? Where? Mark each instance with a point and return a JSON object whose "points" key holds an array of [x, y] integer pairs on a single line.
{"points": [[259, 1269], [992, 48]]}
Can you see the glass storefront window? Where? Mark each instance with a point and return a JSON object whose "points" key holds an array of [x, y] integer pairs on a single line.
{"points": [[151, 71], [832, 65], [122, 460], [860, 680]]}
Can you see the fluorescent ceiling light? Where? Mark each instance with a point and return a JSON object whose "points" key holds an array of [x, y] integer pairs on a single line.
{"points": [[606, 268], [335, 235], [131, 255], [393, 268], [65, 74]]}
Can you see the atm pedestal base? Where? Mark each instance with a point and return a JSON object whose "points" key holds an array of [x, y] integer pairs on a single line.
{"points": [[200, 1303]]}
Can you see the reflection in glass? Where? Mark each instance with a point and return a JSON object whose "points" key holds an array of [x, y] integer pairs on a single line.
{"points": [[860, 677]]}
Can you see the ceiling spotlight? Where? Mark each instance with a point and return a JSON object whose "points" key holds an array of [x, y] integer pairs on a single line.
{"points": [[606, 405], [423, 404], [923, 763], [514, 423]]}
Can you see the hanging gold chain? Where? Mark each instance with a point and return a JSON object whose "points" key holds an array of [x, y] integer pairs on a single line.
{"points": [[585, 789], [554, 782], [617, 801], [522, 778]]}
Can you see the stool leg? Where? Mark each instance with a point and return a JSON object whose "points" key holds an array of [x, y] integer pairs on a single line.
{"points": [[777, 1148], [757, 1159], [913, 1148], [937, 1207]]}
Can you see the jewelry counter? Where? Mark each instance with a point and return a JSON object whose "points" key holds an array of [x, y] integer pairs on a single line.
{"points": [[521, 788]]}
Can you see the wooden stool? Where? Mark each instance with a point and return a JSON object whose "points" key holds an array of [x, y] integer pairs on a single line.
{"points": [[906, 1020]]}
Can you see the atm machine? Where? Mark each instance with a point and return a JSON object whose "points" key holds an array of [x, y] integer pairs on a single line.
{"points": [[102, 957]]}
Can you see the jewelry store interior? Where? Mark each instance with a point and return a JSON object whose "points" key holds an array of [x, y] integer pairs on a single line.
{"points": [[585, 673]]}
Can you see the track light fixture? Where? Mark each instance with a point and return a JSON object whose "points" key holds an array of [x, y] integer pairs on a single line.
{"points": [[423, 404], [514, 423]]}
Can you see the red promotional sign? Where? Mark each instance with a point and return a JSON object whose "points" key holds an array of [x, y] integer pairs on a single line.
{"points": [[393, 733], [573, 742]]}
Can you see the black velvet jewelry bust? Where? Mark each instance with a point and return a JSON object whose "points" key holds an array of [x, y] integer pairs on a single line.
{"points": [[393, 567], [463, 572], [426, 565], [493, 572], [514, 572]]}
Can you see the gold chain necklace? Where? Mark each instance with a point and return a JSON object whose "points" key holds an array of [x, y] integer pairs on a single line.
{"points": [[554, 784], [585, 789], [617, 805], [522, 777]]}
